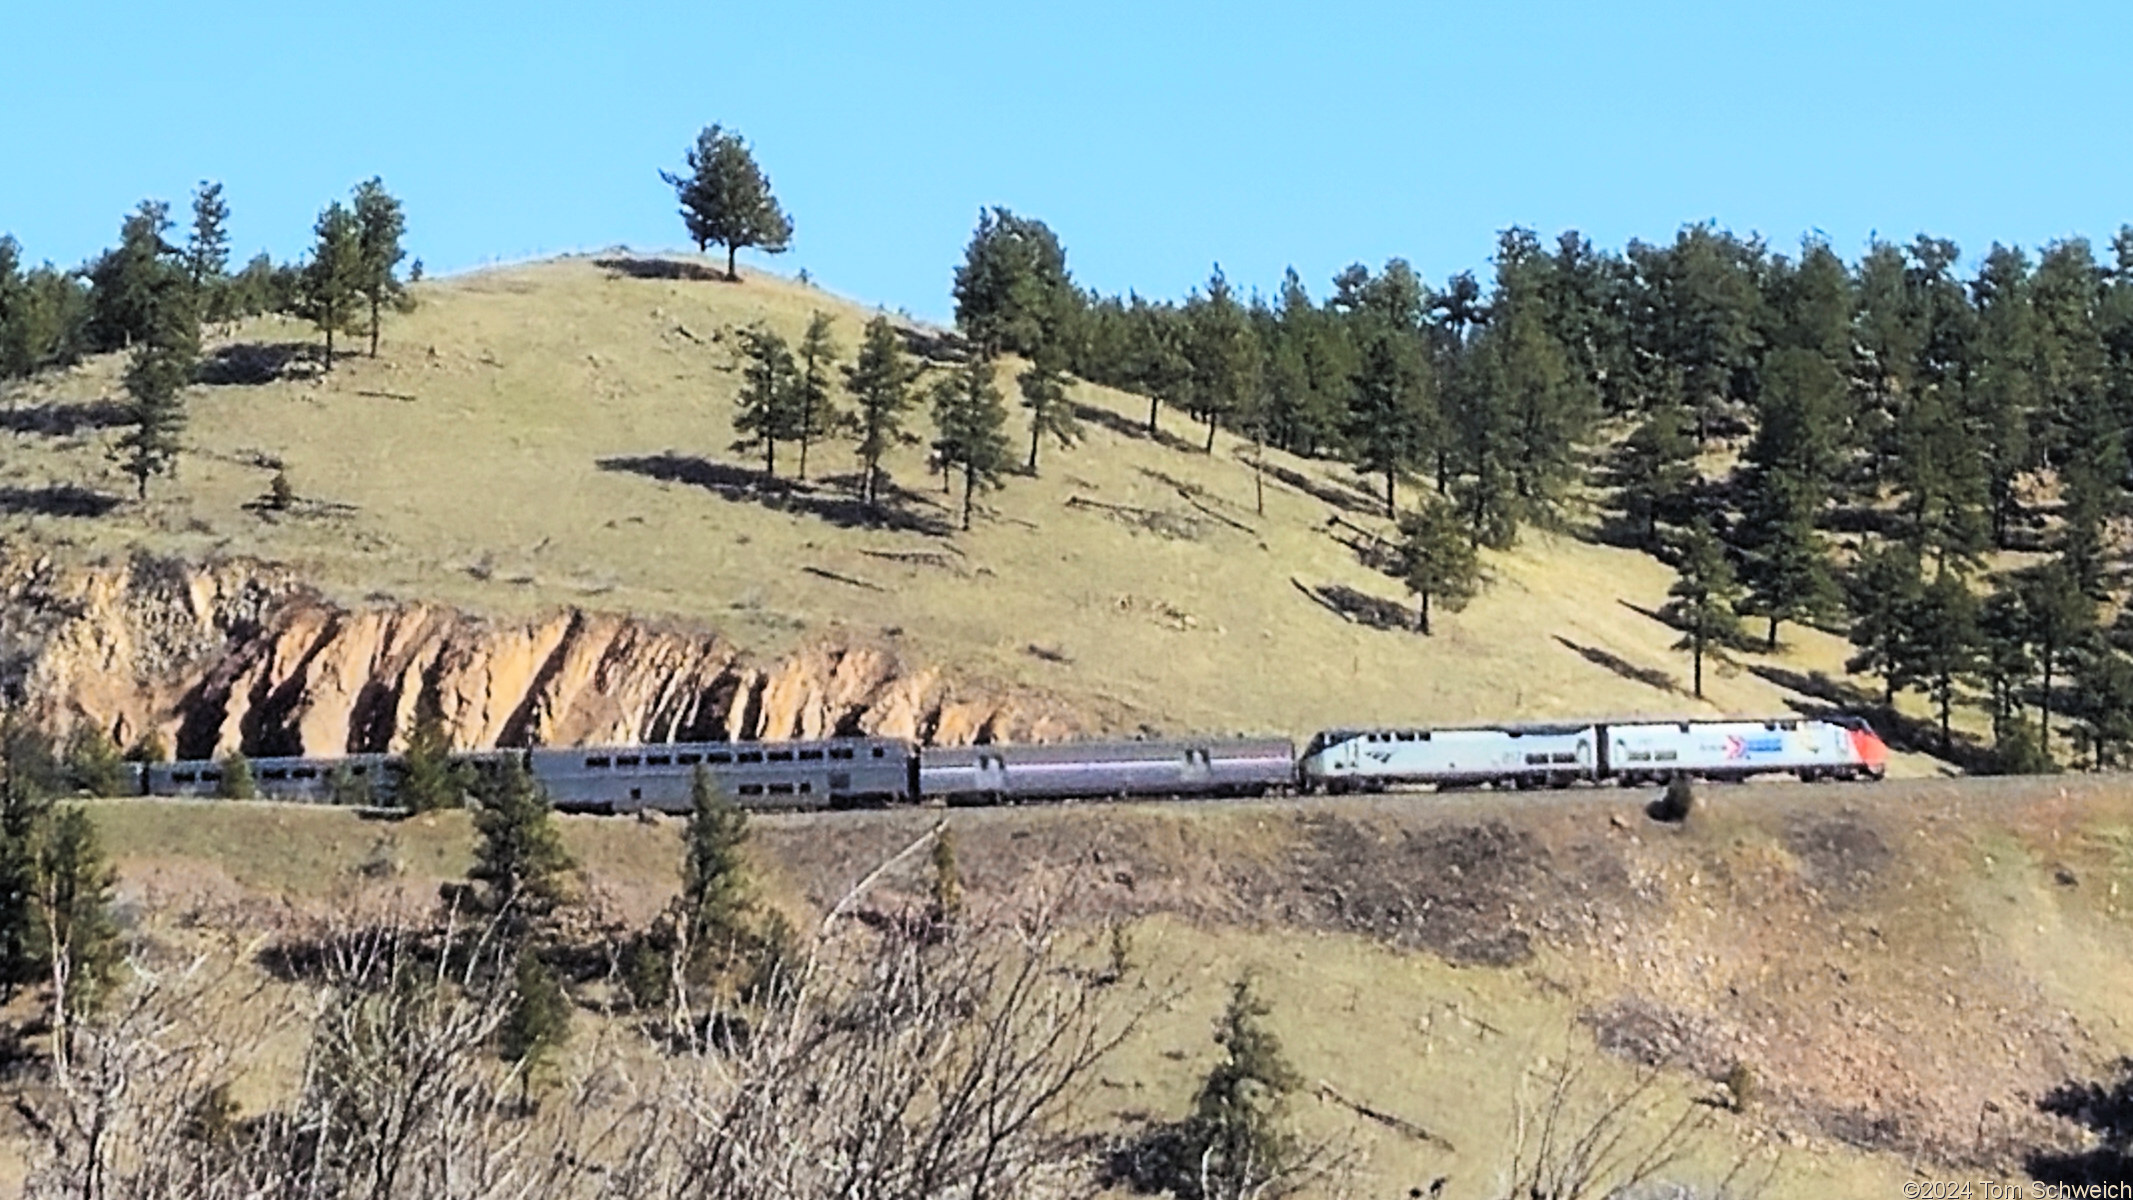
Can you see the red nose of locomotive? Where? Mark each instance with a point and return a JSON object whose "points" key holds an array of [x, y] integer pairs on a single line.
{"points": [[1872, 751]]}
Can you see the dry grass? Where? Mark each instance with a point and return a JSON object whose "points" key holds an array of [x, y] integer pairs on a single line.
{"points": [[466, 464]]}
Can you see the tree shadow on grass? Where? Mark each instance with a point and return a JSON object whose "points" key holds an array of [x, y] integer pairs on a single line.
{"points": [[659, 268], [1830, 697], [1651, 677], [1340, 495], [1360, 608], [2106, 1109], [1126, 427], [57, 500], [64, 419], [743, 485], [248, 364]]}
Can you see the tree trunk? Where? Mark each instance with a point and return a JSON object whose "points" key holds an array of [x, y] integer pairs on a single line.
{"points": [[732, 275], [970, 484], [1154, 403], [374, 299], [1391, 510], [1259, 477], [866, 485], [770, 458], [1772, 641], [1210, 434], [1947, 700], [329, 340], [1696, 652], [1422, 615], [1035, 431], [2044, 707], [803, 455]]}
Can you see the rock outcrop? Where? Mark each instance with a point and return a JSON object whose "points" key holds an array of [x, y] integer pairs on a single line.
{"points": [[235, 655]]}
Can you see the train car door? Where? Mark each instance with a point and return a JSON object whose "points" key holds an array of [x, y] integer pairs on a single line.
{"points": [[991, 773]]}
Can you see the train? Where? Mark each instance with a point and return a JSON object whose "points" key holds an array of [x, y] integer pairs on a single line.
{"points": [[857, 772]]}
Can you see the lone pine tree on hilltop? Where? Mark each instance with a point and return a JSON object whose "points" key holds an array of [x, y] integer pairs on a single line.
{"points": [[726, 198]]}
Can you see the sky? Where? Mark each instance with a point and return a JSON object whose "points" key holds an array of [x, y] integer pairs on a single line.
{"points": [[1156, 138]]}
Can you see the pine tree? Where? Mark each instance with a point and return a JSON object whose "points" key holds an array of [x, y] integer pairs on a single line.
{"points": [[1013, 293], [1658, 467], [716, 893], [1788, 576], [379, 225], [2092, 481], [1943, 480], [520, 854], [129, 285], [333, 281], [1044, 395], [726, 199], [1392, 422], [1235, 1142], [1702, 599], [429, 778], [2006, 664], [1943, 643], [1437, 561], [207, 254], [538, 1023], [237, 782], [2058, 616], [31, 777], [880, 382], [1224, 354], [768, 397], [814, 400], [74, 886], [93, 764], [2003, 399], [165, 353], [1881, 590], [970, 422]]}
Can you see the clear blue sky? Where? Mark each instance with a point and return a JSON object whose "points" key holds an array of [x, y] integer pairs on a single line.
{"points": [[1156, 138]]}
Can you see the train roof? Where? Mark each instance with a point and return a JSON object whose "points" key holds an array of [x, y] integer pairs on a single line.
{"points": [[1343, 733]]}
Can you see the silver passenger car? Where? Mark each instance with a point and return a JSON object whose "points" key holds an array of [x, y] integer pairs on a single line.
{"points": [[822, 774], [309, 780], [1225, 767]]}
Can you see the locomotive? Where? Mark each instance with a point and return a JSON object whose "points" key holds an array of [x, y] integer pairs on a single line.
{"points": [[873, 772]]}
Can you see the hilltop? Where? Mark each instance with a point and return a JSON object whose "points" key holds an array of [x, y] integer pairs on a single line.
{"points": [[554, 436]]}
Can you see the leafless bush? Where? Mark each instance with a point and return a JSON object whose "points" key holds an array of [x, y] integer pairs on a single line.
{"points": [[892, 1061], [1581, 1140]]}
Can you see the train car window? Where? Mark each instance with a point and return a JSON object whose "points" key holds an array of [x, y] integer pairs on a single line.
{"points": [[1788, 724], [360, 769], [275, 773], [1405, 737], [1684, 727], [1566, 758], [626, 760], [597, 761], [211, 777], [810, 755], [781, 789], [183, 777], [688, 760], [636, 793], [1536, 759], [305, 773], [1667, 756], [658, 760], [1640, 756], [806, 788], [840, 752], [780, 756], [718, 756], [749, 756], [751, 789], [877, 752]]}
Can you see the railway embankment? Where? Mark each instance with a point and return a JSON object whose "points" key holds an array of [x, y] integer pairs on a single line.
{"points": [[1909, 971], [229, 655]]}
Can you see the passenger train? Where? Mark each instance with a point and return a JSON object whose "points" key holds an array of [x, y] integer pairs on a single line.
{"points": [[870, 772]]}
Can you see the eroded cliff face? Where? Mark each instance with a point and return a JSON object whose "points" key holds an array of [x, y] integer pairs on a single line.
{"points": [[234, 656]]}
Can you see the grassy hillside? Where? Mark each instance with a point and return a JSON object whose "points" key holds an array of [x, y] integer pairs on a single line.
{"points": [[558, 434]]}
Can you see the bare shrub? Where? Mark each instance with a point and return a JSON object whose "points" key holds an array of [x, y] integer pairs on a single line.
{"points": [[887, 1061], [1582, 1140]]}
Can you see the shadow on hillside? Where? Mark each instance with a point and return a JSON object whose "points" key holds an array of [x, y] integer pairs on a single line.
{"points": [[1651, 677], [659, 268], [57, 500], [1126, 427], [64, 420], [246, 364], [1361, 608], [935, 348], [2106, 1109], [744, 485], [1340, 495], [1831, 697]]}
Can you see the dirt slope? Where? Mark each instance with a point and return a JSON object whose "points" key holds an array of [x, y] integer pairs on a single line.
{"points": [[1906, 968]]}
